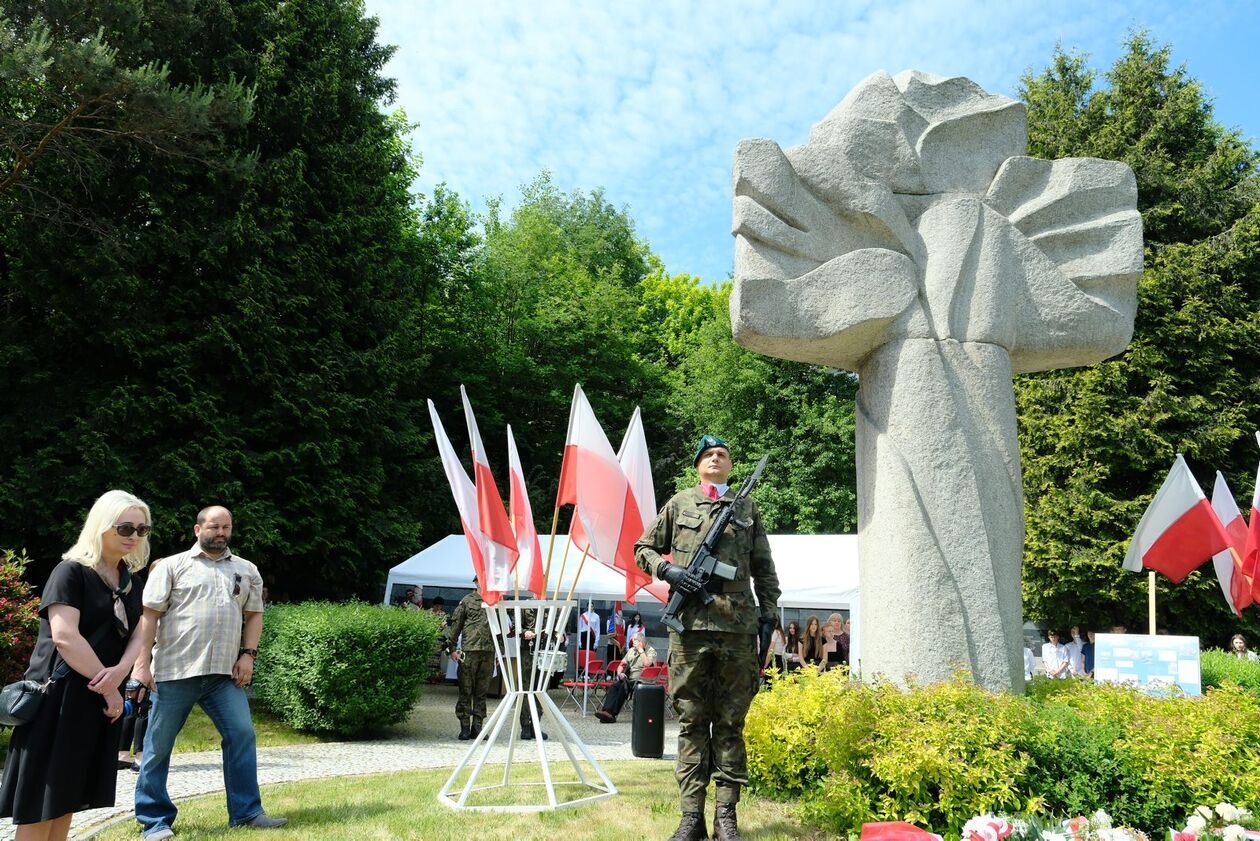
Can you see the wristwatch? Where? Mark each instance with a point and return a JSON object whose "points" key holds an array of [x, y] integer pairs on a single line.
{"points": [[252, 652]]}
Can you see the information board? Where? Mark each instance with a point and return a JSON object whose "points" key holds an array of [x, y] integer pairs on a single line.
{"points": [[1153, 664]]}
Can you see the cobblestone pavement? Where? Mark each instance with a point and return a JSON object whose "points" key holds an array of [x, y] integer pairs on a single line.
{"points": [[426, 741]]}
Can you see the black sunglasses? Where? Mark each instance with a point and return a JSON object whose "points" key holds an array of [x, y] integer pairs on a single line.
{"points": [[127, 530]]}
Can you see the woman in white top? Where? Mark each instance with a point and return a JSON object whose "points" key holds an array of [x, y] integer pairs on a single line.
{"points": [[1076, 653], [1238, 648], [778, 644], [1054, 657]]}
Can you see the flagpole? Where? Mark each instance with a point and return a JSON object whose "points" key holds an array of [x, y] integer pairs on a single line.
{"points": [[578, 574], [551, 545], [516, 573], [1151, 602]]}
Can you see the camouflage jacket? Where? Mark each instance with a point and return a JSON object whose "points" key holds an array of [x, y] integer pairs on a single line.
{"points": [[469, 619], [680, 528]]}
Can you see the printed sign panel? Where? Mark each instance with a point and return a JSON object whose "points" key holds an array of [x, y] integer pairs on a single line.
{"points": [[1153, 664]]}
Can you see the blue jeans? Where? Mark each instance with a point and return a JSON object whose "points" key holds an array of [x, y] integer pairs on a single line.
{"points": [[228, 708]]}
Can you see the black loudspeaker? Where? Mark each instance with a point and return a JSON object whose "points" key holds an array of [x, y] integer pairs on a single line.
{"points": [[647, 731]]}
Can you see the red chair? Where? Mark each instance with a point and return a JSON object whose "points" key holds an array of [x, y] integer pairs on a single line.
{"points": [[650, 674], [606, 679], [589, 679]]}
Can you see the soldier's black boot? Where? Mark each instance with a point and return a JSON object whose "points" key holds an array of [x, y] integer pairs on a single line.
{"points": [[527, 734], [465, 732], [691, 828], [725, 825], [475, 731]]}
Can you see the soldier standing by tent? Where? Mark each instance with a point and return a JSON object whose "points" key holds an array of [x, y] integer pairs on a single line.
{"points": [[713, 664], [475, 655]]}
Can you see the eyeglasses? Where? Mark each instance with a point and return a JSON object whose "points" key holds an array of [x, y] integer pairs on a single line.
{"points": [[127, 530]]}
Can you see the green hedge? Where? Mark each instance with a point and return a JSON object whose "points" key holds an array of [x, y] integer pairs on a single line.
{"points": [[345, 669], [1219, 667], [939, 755]]}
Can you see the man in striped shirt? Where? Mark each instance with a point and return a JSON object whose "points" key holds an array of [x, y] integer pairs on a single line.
{"points": [[199, 638]]}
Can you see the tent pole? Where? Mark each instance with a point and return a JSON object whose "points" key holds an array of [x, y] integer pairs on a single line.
{"points": [[578, 575]]}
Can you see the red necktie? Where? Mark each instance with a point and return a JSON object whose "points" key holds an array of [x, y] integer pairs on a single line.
{"points": [[709, 490]]}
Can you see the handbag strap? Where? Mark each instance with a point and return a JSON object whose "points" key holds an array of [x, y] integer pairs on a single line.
{"points": [[63, 668]]}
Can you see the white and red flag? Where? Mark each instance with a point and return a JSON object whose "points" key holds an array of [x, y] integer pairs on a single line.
{"points": [[591, 479], [523, 524], [1234, 583], [1179, 530], [465, 493], [640, 508], [499, 542], [1251, 549]]}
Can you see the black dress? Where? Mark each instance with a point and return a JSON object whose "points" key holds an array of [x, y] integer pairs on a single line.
{"points": [[66, 759]]}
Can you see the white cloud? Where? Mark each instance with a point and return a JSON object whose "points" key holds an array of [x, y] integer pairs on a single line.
{"points": [[648, 100]]}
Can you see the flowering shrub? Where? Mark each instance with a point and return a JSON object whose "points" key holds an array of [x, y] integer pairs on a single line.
{"points": [[1225, 822], [19, 616], [1096, 827], [936, 756]]}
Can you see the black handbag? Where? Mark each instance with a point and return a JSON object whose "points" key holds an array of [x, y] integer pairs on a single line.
{"points": [[20, 700]]}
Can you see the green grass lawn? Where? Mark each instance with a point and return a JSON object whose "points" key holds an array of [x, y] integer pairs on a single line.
{"points": [[199, 734], [405, 805]]}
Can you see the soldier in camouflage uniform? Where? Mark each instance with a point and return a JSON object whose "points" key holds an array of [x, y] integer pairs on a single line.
{"points": [[713, 665], [476, 662], [529, 619]]}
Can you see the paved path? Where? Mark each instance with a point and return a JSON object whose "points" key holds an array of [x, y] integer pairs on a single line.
{"points": [[426, 741]]}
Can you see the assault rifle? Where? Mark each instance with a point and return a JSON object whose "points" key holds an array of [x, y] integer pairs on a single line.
{"points": [[704, 561]]}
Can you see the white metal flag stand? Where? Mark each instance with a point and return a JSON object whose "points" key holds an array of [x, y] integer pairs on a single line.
{"points": [[531, 691]]}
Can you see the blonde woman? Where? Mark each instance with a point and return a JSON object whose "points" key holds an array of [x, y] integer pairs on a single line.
{"points": [[778, 647], [832, 633], [66, 759]]}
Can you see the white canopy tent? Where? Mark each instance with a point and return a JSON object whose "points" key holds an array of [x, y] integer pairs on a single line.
{"points": [[815, 570]]}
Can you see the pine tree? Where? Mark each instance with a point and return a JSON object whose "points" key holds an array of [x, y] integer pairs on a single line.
{"points": [[1096, 443]]}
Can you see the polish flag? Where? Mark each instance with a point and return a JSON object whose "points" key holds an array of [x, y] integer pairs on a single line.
{"points": [[895, 831], [1251, 549], [1179, 531], [591, 479], [640, 508], [465, 493], [1234, 584], [523, 522], [499, 544]]}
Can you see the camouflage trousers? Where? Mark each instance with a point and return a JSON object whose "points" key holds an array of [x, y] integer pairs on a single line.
{"points": [[475, 671], [713, 679], [527, 674]]}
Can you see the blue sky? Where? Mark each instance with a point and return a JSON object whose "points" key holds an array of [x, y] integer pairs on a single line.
{"points": [[648, 99]]}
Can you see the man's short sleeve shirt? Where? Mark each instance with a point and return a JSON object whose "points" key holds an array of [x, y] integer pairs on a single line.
{"points": [[203, 602]]}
